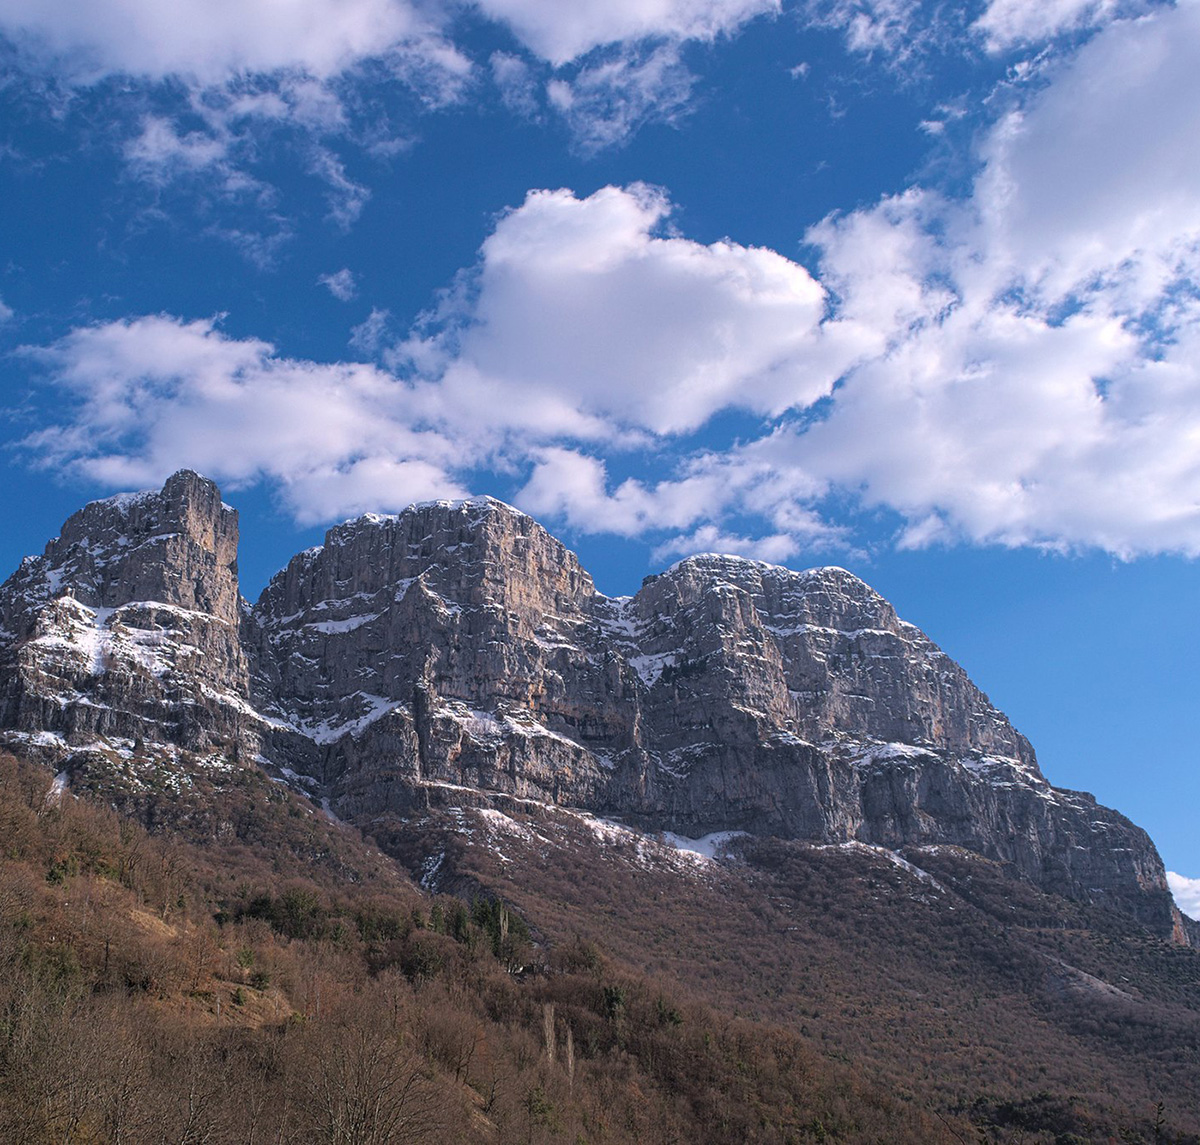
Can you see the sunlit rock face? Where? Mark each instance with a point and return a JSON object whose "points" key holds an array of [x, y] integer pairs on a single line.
{"points": [[460, 647], [460, 644], [122, 647]]}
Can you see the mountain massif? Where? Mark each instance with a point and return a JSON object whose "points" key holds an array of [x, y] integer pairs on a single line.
{"points": [[459, 645], [447, 846]]}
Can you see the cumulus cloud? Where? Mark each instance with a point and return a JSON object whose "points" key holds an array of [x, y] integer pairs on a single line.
{"points": [[1056, 206], [583, 321], [154, 393], [584, 310], [1186, 893], [1019, 365], [572, 486], [1040, 382]]}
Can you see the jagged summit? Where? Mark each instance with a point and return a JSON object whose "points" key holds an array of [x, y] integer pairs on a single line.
{"points": [[176, 546], [458, 646], [125, 631]]}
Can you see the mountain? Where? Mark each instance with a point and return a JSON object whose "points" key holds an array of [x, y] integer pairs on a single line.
{"points": [[743, 857], [458, 645]]}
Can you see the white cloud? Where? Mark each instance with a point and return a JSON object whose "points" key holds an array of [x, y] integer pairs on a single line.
{"points": [[583, 312], [776, 548], [561, 32], [1186, 893], [515, 81], [155, 393], [1101, 169], [909, 32], [1007, 23], [581, 321], [1017, 366], [241, 76], [161, 152], [572, 486], [616, 63], [212, 40], [607, 101], [6, 312], [608, 66], [340, 284], [1040, 383], [890, 27], [345, 197], [368, 336]]}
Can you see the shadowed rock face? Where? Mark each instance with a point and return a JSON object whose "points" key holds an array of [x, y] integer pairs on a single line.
{"points": [[460, 645]]}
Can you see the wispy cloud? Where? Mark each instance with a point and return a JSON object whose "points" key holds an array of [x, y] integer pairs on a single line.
{"points": [[341, 284], [562, 33]]}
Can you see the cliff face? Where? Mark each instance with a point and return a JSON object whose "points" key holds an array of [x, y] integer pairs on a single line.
{"points": [[459, 645], [122, 645]]}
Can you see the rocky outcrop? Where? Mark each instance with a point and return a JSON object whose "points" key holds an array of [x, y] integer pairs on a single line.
{"points": [[122, 644], [459, 645]]}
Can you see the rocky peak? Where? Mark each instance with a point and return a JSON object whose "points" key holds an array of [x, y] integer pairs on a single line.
{"points": [[123, 643], [458, 645], [175, 546], [832, 656], [476, 553]]}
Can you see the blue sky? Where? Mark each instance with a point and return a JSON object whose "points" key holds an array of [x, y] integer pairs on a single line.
{"points": [[864, 282]]}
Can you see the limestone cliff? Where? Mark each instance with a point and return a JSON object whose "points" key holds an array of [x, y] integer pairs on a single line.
{"points": [[121, 645], [458, 646]]}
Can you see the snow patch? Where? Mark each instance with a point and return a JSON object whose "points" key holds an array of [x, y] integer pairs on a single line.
{"points": [[348, 625], [126, 501], [893, 857], [327, 731], [651, 667], [430, 869], [58, 788], [707, 847], [327, 811]]}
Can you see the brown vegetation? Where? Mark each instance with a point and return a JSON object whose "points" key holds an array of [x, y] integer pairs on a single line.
{"points": [[981, 996], [155, 990]]}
